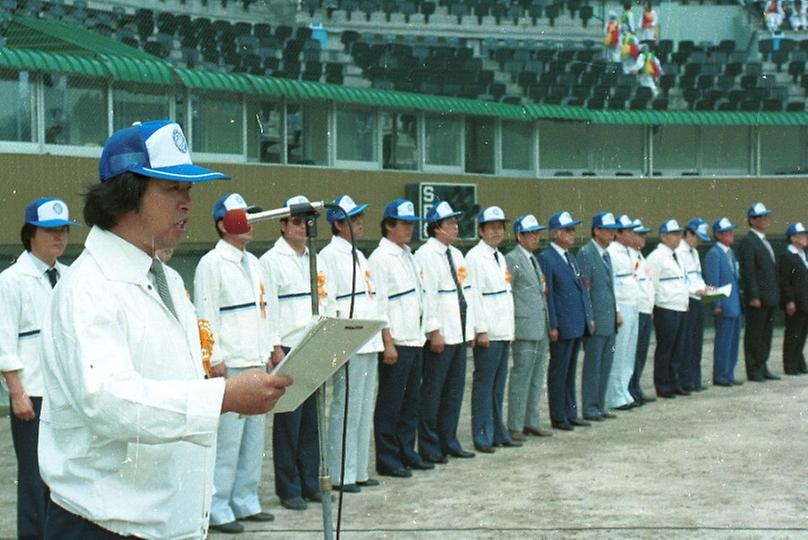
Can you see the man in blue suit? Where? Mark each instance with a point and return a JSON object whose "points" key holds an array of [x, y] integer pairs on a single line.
{"points": [[721, 268], [570, 319]]}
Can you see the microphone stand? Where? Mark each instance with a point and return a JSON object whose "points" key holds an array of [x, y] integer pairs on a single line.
{"points": [[325, 476]]}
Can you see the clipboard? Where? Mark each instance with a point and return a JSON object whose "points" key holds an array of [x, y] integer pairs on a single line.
{"points": [[717, 293], [328, 343]]}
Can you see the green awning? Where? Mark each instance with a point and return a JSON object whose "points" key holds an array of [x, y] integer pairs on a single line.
{"points": [[32, 60], [213, 80], [662, 118], [137, 70]]}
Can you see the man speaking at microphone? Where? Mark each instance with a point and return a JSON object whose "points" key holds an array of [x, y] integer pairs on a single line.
{"points": [[128, 428]]}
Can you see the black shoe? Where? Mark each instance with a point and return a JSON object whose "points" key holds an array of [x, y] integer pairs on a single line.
{"points": [[436, 458], [594, 418], [736, 383], [232, 527], [370, 482], [646, 399], [722, 383], [698, 388], [579, 422], [484, 449], [608, 416], [564, 426], [770, 376], [681, 392], [755, 378], [666, 395], [626, 407], [802, 369], [347, 488], [395, 473], [316, 497], [295, 503], [261, 517], [421, 465], [465, 454], [510, 444], [791, 372]]}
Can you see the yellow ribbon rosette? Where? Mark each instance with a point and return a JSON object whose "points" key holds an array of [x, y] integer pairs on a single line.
{"points": [[461, 274], [206, 342], [321, 294]]}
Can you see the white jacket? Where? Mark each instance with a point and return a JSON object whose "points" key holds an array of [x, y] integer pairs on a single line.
{"points": [[234, 303], [491, 280], [128, 428], [689, 259], [645, 302], [670, 288], [625, 266]]}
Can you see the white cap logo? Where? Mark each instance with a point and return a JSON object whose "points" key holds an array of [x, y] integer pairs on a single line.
{"points": [[671, 225], [702, 228], [297, 199], [607, 219], [347, 203], [167, 147], [799, 227], [626, 222], [565, 219], [406, 209], [493, 213], [443, 209], [724, 223], [52, 210], [234, 202], [529, 221], [637, 223], [759, 208]]}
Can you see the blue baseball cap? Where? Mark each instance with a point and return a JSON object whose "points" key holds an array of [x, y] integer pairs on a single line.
{"points": [[758, 209], [155, 149], [492, 213], [723, 224], [401, 210], [604, 220], [48, 213], [527, 223], [231, 201], [624, 222], [347, 204], [639, 228], [441, 211], [670, 226], [561, 220], [296, 199], [698, 227], [795, 228]]}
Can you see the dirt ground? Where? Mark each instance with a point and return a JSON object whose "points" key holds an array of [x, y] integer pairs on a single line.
{"points": [[723, 463]]}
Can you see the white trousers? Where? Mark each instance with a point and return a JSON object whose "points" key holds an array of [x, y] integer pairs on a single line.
{"points": [[239, 455], [625, 351], [362, 376]]}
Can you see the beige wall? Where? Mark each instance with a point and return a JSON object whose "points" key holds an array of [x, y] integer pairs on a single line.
{"points": [[26, 177]]}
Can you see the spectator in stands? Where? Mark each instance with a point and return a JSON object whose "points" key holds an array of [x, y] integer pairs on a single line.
{"points": [[799, 15], [494, 331], [720, 269], [648, 69], [295, 444], [25, 289], [670, 310], [773, 14], [645, 304], [352, 277], [229, 294], [400, 295], [690, 372], [627, 18], [649, 26], [530, 346], [793, 270], [611, 38], [630, 53]]}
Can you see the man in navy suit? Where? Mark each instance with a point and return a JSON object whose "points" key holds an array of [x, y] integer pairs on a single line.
{"points": [[721, 268], [793, 268], [570, 320]]}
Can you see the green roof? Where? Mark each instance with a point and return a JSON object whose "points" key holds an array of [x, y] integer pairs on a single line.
{"points": [[32, 60]]}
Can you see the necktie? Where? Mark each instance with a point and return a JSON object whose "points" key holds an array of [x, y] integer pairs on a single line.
{"points": [[733, 262], [535, 266], [460, 297], [162, 285], [769, 248], [569, 261], [496, 257], [608, 260], [53, 276]]}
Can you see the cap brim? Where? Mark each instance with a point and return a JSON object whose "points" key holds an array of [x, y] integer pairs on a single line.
{"points": [[53, 223], [567, 225], [404, 218], [703, 237], [453, 214], [766, 213], [493, 220], [532, 229], [181, 173], [610, 227], [642, 230]]}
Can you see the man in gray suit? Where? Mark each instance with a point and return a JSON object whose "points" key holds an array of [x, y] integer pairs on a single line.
{"points": [[597, 275], [530, 345]]}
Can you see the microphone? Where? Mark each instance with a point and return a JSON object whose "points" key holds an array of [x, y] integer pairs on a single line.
{"points": [[238, 221]]}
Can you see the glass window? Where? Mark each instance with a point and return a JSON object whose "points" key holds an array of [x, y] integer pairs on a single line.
{"points": [[218, 125], [75, 110], [480, 145], [616, 149], [307, 134], [141, 105], [443, 135], [399, 141], [563, 146], [16, 123], [264, 132], [517, 146], [675, 149], [780, 150], [356, 134], [725, 150]]}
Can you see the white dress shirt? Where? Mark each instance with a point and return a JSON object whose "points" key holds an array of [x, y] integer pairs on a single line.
{"points": [[399, 292], [25, 292], [689, 259], [798, 252], [289, 294], [229, 293], [624, 268], [128, 428], [645, 301], [338, 260], [491, 280], [670, 286], [441, 306]]}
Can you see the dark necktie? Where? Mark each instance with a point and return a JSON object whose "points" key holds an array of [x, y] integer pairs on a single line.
{"points": [[496, 257], [732, 262], [461, 299], [608, 261], [569, 261], [162, 285], [53, 276]]}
